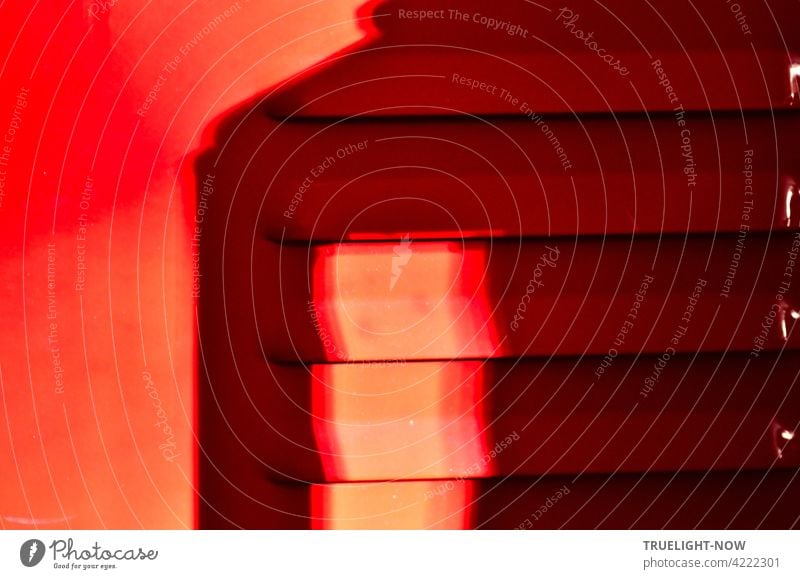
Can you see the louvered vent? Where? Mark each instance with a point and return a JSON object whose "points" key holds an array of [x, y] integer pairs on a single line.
{"points": [[511, 265]]}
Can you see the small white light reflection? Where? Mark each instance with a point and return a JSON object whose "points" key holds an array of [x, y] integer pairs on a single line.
{"points": [[780, 437], [789, 194], [794, 81], [782, 321], [794, 314]]}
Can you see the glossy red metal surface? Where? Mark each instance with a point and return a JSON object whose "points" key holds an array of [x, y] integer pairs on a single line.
{"points": [[98, 366], [448, 307], [544, 57], [504, 178], [484, 299], [399, 265]]}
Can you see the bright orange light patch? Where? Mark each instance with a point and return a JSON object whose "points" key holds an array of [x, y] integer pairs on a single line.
{"points": [[407, 300], [398, 420], [401, 505]]}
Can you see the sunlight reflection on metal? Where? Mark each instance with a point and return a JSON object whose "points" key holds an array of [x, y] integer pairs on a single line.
{"points": [[780, 437], [52, 522], [444, 505], [794, 83], [421, 420], [783, 314], [437, 307]]}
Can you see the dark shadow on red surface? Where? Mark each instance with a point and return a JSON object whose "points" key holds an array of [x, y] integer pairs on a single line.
{"points": [[274, 299]]}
